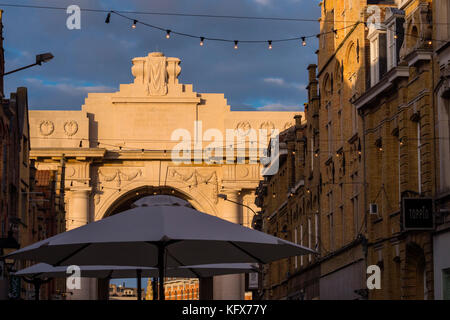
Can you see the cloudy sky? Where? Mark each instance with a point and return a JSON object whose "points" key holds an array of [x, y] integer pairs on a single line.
{"points": [[97, 58]]}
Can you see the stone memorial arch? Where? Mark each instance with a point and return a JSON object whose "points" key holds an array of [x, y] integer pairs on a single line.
{"points": [[118, 148]]}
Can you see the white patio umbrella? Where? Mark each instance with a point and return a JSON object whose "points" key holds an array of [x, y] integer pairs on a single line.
{"points": [[160, 236], [40, 272]]}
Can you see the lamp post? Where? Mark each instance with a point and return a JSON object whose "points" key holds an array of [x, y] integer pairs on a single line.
{"points": [[225, 197], [40, 58]]}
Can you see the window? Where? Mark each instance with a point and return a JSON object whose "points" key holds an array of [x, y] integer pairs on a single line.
{"points": [[309, 237], [374, 56], [301, 243], [316, 231], [355, 204], [330, 219], [331, 229], [295, 241], [446, 284], [24, 206], [391, 45], [419, 146], [330, 202], [399, 173], [447, 18], [354, 119]]}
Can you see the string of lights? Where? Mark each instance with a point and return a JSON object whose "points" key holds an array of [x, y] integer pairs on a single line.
{"points": [[190, 14], [202, 39]]}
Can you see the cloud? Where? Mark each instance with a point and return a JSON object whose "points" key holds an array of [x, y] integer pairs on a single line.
{"points": [[280, 107], [282, 83], [263, 2], [66, 87], [98, 57]]}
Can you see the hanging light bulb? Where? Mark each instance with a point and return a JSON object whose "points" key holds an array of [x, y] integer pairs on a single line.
{"points": [[108, 17], [168, 34], [134, 24], [303, 41], [366, 27], [270, 44], [335, 33], [430, 42], [235, 44], [201, 40]]}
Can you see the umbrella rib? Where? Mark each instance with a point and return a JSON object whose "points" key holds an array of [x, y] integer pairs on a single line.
{"points": [[182, 264], [246, 252], [109, 275], [72, 254]]}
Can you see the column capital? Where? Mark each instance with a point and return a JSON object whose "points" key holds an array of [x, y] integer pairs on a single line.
{"points": [[81, 189], [232, 194]]}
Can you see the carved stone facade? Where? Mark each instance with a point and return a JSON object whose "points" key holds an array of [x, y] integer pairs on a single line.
{"points": [[118, 148]]}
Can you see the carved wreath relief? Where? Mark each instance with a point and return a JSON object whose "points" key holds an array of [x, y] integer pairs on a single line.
{"points": [[46, 127], [70, 128]]}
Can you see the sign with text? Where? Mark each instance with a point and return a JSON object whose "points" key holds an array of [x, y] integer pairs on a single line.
{"points": [[418, 214], [253, 281]]}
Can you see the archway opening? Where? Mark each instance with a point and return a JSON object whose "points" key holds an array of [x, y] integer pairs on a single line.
{"points": [[416, 278], [188, 289]]}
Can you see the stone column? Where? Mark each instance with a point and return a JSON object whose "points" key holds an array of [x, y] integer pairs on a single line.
{"points": [[78, 216], [230, 287]]}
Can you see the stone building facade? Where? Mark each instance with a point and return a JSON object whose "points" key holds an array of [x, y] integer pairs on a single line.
{"points": [[119, 148]]}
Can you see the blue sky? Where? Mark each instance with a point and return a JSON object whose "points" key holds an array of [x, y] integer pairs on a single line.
{"points": [[97, 58]]}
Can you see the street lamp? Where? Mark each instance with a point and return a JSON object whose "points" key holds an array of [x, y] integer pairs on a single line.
{"points": [[224, 197], [40, 58]]}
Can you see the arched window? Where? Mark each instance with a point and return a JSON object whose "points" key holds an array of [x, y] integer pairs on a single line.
{"points": [[327, 90]]}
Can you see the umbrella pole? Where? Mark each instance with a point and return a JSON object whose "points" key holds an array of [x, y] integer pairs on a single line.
{"points": [[139, 284], [161, 269], [37, 287]]}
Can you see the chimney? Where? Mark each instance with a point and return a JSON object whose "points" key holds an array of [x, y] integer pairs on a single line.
{"points": [[298, 120]]}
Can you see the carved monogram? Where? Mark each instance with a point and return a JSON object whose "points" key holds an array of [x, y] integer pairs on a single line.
{"points": [[157, 75]]}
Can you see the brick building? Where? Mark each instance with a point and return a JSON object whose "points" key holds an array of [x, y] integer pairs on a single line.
{"points": [[441, 238], [381, 162], [176, 289]]}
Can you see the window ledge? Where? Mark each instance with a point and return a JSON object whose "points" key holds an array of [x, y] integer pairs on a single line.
{"points": [[384, 84], [418, 55]]}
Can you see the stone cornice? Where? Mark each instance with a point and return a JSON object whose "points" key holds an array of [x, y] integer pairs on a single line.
{"points": [[164, 99], [67, 153]]}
